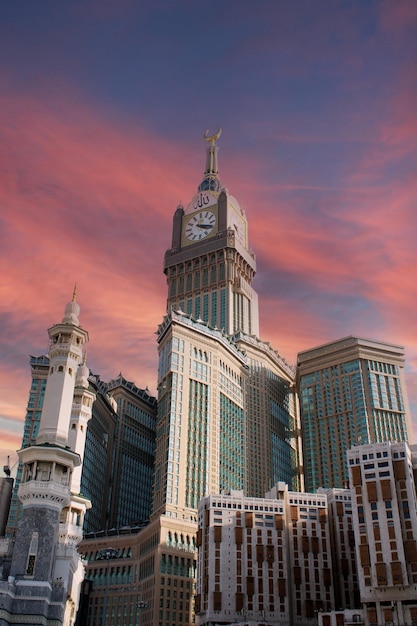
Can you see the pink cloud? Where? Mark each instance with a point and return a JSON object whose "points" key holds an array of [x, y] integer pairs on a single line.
{"points": [[88, 201], [89, 204]]}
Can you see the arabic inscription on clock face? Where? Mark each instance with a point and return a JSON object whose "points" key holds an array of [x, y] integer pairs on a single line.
{"points": [[201, 200]]}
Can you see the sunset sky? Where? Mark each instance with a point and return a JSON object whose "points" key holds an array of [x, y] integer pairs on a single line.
{"points": [[103, 106]]}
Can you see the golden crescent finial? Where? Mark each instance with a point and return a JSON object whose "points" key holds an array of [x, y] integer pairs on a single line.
{"points": [[212, 138], [74, 293]]}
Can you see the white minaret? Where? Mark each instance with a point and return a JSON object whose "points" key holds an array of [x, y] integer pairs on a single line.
{"points": [[65, 355], [46, 570]]}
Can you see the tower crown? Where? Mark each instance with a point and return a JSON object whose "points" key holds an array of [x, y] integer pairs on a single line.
{"points": [[210, 266], [211, 181]]}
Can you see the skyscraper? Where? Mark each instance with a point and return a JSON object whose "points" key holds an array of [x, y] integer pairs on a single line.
{"points": [[133, 454], [351, 392], [227, 411]]}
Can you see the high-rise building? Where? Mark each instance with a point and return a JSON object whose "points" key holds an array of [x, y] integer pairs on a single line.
{"points": [[201, 416], [227, 411], [141, 575], [119, 454], [98, 457], [111, 591], [133, 456], [351, 392], [119, 450], [273, 433], [227, 417], [45, 572], [383, 482], [243, 561], [40, 368], [336, 557]]}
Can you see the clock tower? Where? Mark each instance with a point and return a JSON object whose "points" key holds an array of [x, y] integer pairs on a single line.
{"points": [[226, 416], [210, 266]]}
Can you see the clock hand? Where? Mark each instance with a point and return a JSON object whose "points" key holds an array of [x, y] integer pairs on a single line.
{"points": [[204, 226]]}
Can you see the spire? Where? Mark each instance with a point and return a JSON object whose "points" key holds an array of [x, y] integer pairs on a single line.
{"points": [[211, 181], [72, 310]]}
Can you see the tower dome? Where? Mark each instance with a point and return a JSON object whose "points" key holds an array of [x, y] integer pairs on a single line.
{"points": [[72, 310]]}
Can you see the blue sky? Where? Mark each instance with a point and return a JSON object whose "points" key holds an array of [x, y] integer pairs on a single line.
{"points": [[102, 113]]}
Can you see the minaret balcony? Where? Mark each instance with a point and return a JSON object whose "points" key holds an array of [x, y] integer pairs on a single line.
{"points": [[42, 492], [66, 350], [49, 453]]}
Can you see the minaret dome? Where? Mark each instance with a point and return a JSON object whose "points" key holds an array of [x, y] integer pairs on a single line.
{"points": [[72, 310]]}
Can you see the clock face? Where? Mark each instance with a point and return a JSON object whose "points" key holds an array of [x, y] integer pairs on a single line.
{"points": [[200, 225]]}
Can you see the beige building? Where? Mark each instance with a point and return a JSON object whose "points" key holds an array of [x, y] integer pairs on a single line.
{"points": [[242, 561], [140, 575], [269, 561], [385, 522], [200, 446], [334, 558], [310, 578]]}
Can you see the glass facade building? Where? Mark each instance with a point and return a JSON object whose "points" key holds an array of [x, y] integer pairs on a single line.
{"points": [[351, 393], [39, 369], [119, 451], [200, 444], [133, 455]]}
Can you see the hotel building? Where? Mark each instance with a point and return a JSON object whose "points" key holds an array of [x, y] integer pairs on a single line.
{"points": [[383, 482], [351, 392], [227, 410], [271, 561]]}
